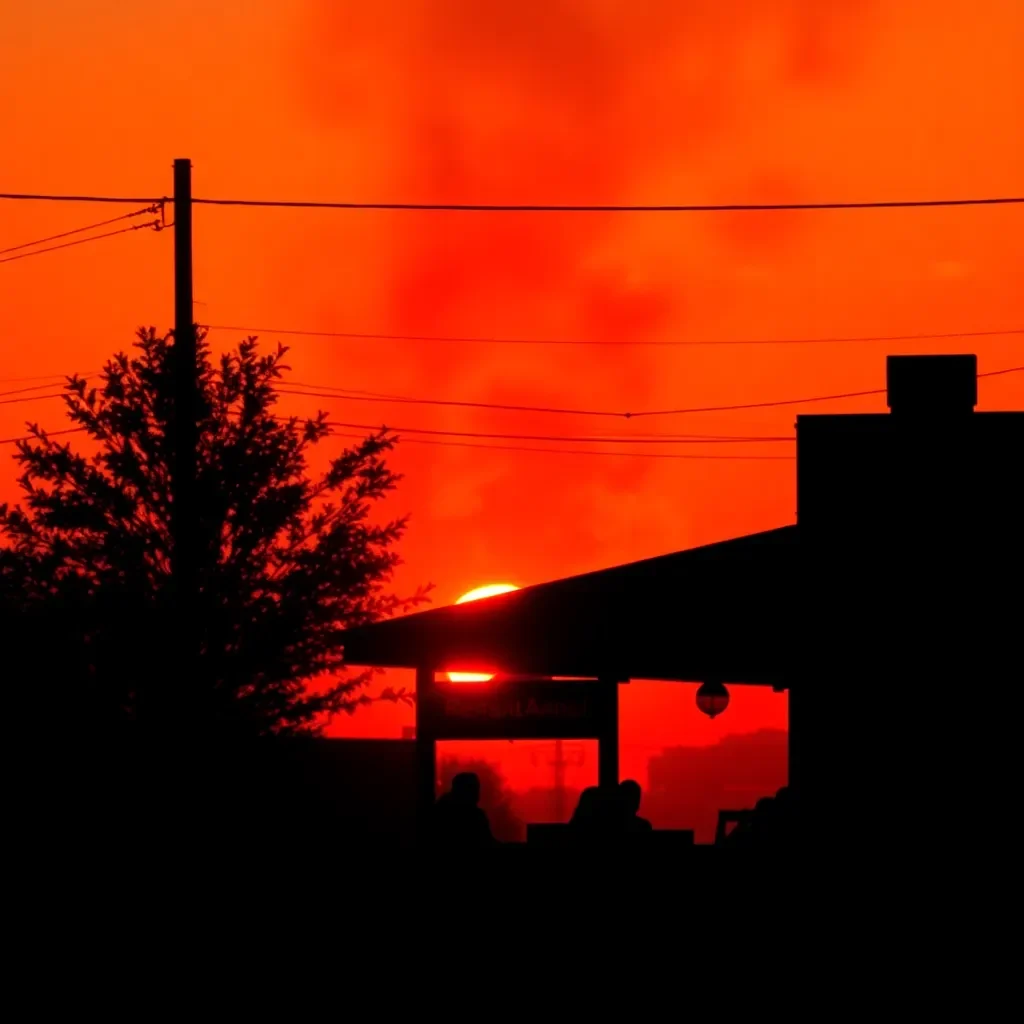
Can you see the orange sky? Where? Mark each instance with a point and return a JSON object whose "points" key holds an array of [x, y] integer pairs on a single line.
{"points": [[531, 101]]}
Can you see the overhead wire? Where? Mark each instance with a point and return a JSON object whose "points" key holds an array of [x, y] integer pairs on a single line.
{"points": [[55, 377], [578, 451], [81, 242], [872, 204], [504, 448], [613, 208], [403, 400], [48, 433], [631, 415], [30, 398], [759, 405], [576, 438], [573, 438], [1000, 373], [519, 448], [153, 202], [43, 387], [655, 439], [370, 397], [797, 401], [377, 396], [793, 401], [64, 198], [34, 387], [77, 231], [697, 343]]}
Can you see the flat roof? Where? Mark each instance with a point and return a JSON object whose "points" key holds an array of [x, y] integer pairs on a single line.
{"points": [[722, 611]]}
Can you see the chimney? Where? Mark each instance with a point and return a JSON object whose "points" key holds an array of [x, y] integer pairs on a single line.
{"points": [[932, 385]]}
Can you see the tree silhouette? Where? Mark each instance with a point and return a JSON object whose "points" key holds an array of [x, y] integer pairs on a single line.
{"points": [[286, 561]]}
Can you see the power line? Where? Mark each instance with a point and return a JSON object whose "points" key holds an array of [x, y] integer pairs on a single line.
{"points": [[55, 377], [579, 451], [999, 373], [502, 448], [518, 448], [35, 387], [42, 387], [578, 438], [623, 415], [793, 401], [365, 396], [632, 415], [623, 208], [78, 231], [376, 396], [760, 405], [479, 405], [483, 340], [52, 198], [536, 207], [485, 405], [30, 398], [60, 394], [48, 433], [81, 241], [356, 397]]}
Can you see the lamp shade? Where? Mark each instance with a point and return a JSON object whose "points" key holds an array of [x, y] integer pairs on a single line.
{"points": [[712, 698]]}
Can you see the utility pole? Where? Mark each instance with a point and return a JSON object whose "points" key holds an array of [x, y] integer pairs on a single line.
{"points": [[184, 437], [559, 764]]}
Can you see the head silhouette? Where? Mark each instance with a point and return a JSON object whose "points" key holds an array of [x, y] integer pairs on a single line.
{"points": [[588, 806], [629, 794], [466, 788]]}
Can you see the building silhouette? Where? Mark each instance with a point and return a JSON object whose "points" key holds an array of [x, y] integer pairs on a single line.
{"points": [[888, 612]]}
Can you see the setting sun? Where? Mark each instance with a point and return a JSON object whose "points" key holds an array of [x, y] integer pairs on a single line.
{"points": [[490, 590]]}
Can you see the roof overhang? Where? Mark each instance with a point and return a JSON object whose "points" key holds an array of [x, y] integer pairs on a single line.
{"points": [[724, 611]]}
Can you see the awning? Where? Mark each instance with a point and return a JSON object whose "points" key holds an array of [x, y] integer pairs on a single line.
{"points": [[725, 611]]}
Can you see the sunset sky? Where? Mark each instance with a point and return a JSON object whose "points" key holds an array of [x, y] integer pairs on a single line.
{"points": [[532, 101]]}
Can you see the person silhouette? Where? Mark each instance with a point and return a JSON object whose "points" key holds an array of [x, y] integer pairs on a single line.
{"points": [[458, 819], [630, 794], [586, 819], [604, 814]]}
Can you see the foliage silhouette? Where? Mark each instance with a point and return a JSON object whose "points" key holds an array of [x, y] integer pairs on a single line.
{"points": [[286, 560]]}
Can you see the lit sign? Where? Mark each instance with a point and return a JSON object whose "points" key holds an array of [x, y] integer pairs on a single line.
{"points": [[516, 710]]}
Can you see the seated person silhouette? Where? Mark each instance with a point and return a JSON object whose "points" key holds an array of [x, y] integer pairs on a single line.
{"points": [[458, 819], [629, 808], [589, 818], [609, 813]]}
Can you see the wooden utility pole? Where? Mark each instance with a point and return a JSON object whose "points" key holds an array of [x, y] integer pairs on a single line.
{"points": [[183, 470], [559, 764]]}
